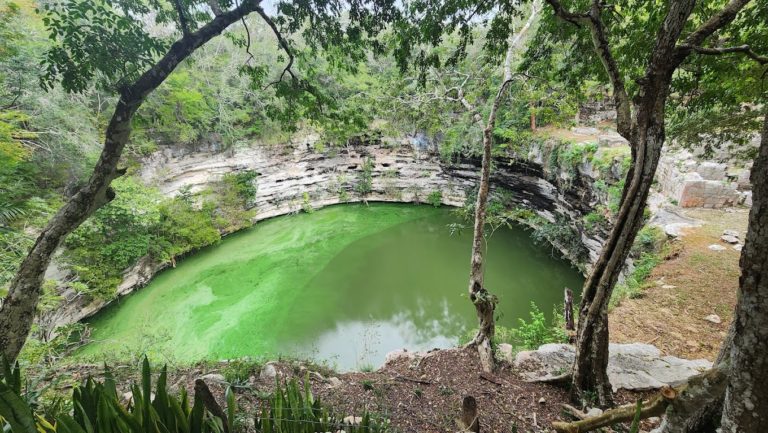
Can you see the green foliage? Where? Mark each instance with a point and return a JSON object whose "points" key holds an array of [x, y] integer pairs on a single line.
{"points": [[561, 234], [632, 286], [244, 184], [596, 219], [293, 410], [650, 239], [306, 203], [536, 332], [435, 198], [364, 184]]}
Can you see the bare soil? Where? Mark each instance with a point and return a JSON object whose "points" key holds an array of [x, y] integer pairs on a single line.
{"points": [[693, 283]]}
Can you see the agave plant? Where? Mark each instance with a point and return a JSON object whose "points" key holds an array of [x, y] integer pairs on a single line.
{"points": [[292, 411], [97, 408]]}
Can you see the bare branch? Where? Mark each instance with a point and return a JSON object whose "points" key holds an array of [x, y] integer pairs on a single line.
{"points": [[283, 44], [576, 19], [603, 49], [745, 49], [182, 17]]}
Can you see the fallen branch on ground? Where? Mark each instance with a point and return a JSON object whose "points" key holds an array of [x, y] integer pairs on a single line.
{"points": [[627, 413]]}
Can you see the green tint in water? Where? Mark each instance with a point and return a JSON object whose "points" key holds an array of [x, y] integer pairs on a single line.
{"points": [[346, 284]]}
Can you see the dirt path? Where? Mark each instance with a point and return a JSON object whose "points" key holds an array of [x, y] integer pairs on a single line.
{"points": [[694, 283]]}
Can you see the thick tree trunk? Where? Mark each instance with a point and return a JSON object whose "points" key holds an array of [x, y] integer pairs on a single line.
{"points": [[18, 308], [746, 399]]}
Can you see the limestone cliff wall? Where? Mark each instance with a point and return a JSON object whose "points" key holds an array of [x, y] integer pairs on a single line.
{"points": [[291, 177]]}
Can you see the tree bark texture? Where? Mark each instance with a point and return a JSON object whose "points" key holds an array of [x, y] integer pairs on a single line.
{"points": [[745, 409], [19, 306]]}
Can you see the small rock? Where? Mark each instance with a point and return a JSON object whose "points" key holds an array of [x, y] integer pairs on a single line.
{"points": [[713, 318], [214, 377], [715, 247], [268, 373], [595, 411], [317, 376], [731, 232], [729, 239], [668, 286], [334, 382], [738, 247], [506, 352], [542, 400], [353, 420]]}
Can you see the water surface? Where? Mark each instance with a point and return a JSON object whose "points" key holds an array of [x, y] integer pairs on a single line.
{"points": [[345, 284]]}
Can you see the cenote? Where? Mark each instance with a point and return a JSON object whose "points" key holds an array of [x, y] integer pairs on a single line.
{"points": [[343, 285]]}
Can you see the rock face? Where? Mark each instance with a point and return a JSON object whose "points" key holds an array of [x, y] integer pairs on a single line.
{"points": [[630, 366], [702, 184], [291, 177]]}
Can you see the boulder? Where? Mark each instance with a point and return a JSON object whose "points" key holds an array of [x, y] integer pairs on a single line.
{"points": [[715, 247], [611, 139], [630, 366], [729, 239], [731, 232], [214, 377]]}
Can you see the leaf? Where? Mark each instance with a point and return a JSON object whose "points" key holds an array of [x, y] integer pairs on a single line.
{"points": [[15, 410]]}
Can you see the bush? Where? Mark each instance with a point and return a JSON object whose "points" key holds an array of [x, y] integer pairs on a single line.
{"points": [[435, 198], [364, 184], [536, 332], [244, 184]]}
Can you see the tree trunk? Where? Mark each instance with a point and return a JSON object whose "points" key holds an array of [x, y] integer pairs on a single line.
{"points": [[746, 399], [484, 302], [19, 306]]}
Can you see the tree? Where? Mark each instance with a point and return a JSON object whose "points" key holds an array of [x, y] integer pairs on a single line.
{"points": [[746, 398], [640, 119], [484, 301], [120, 54]]}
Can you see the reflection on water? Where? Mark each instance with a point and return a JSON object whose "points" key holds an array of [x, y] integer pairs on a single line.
{"points": [[346, 284]]}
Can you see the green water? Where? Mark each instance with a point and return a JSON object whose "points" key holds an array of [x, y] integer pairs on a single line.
{"points": [[345, 284]]}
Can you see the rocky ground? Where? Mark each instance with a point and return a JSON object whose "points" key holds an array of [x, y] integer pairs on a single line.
{"points": [[688, 301]]}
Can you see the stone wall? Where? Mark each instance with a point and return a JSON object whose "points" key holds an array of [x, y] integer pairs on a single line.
{"points": [[691, 183]]}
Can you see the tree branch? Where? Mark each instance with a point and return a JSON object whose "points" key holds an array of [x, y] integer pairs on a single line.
{"points": [[625, 413], [283, 44], [745, 49], [182, 17], [603, 49], [715, 22]]}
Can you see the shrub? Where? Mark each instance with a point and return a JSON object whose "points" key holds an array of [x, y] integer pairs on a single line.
{"points": [[243, 182], [435, 198], [364, 184], [532, 334]]}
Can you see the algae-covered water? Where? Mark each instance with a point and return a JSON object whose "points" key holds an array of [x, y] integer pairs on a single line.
{"points": [[345, 284]]}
